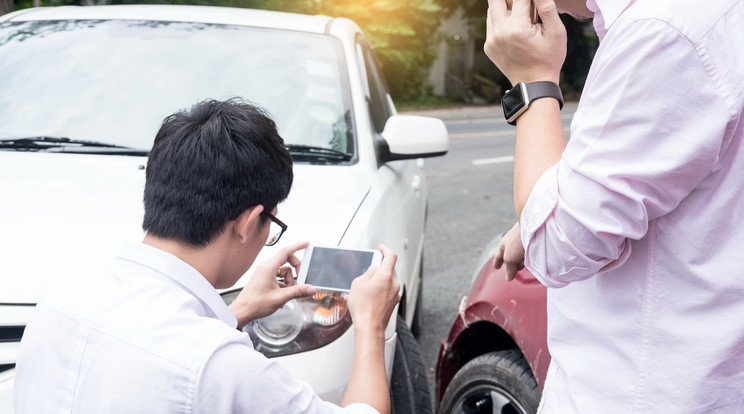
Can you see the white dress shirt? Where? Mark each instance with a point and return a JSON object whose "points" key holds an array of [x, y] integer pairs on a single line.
{"points": [[153, 336], [640, 225]]}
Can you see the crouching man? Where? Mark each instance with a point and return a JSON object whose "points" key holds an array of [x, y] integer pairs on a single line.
{"points": [[153, 335]]}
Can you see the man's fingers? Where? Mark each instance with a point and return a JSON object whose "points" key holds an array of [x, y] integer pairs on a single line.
{"points": [[498, 261], [286, 255], [297, 292], [370, 271], [498, 258], [498, 6], [548, 13], [285, 273], [521, 10], [388, 259], [511, 271]]}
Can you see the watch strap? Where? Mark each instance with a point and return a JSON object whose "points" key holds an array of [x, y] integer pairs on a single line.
{"points": [[544, 89], [521, 96]]}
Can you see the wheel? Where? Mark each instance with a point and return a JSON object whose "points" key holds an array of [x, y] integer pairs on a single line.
{"points": [[409, 391], [498, 382]]}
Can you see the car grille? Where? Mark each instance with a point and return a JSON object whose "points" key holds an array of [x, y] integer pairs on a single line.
{"points": [[11, 333]]}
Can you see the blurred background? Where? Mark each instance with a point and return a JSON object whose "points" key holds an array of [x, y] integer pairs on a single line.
{"points": [[431, 50]]}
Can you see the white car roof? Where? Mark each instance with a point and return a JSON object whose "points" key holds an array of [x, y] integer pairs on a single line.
{"points": [[177, 13]]}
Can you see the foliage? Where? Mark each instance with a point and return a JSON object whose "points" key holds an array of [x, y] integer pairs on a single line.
{"points": [[425, 103], [401, 31]]}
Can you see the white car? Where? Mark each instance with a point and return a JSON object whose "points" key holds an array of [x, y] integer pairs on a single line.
{"points": [[84, 90]]}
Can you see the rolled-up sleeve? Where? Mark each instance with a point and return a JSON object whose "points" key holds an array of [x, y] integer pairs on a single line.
{"points": [[641, 141]]}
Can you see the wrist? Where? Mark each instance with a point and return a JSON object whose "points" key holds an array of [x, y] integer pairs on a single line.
{"points": [[242, 314], [370, 330], [517, 101]]}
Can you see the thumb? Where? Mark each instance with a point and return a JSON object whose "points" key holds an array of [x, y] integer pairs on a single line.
{"points": [[498, 257], [370, 271], [548, 13], [497, 261], [296, 292]]}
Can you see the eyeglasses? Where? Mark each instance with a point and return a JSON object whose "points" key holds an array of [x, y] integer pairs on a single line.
{"points": [[277, 229]]}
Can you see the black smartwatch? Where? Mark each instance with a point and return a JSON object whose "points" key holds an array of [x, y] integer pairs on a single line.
{"points": [[518, 99]]}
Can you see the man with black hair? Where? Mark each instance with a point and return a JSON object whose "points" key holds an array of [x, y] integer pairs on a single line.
{"points": [[157, 337]]}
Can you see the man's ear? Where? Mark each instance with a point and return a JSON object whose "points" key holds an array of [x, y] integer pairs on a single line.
{"points": [[248, 222]]}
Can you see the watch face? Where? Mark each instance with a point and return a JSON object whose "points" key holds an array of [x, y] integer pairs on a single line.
{"points": [[513, 101]]}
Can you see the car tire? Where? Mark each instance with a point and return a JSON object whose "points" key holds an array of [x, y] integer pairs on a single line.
{"points": [[498, 382], [417, 312], [409, 390]]}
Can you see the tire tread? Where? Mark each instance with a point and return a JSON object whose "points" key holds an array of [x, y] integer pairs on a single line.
{"points": [[508, 366], [418, 396]]}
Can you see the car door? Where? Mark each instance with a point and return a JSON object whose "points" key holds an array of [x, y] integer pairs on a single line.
{"points": [[404, 197]]}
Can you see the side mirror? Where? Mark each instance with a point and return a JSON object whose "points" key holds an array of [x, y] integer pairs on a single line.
{"points": [[409, 137]]}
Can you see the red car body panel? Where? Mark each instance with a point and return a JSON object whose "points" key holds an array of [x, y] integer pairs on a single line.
{"points": [[497, 314]]}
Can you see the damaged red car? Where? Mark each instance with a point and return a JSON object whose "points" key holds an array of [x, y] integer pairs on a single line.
{"points": [[495, 358]]}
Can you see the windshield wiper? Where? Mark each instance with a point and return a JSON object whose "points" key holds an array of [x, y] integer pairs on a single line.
{"points": [[316, 154], [64, 144]]}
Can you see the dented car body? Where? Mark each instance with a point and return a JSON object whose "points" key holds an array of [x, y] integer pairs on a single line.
{"points": [[500, 318]]}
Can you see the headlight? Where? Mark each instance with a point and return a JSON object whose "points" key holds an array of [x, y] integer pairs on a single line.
{"points": [[301, 325]]}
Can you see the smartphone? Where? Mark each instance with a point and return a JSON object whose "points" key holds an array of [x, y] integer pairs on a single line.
{"points": [[333, 268], [533, 10]]}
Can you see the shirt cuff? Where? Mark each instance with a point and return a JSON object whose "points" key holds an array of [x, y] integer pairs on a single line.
{"points": [[360, 408], [537, 210], [563, 242]]}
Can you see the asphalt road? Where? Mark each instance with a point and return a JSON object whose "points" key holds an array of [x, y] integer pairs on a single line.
{"points": [[470, 203]]}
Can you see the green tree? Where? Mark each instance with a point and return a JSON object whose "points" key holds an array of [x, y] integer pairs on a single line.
{"points": [[402, 33]]}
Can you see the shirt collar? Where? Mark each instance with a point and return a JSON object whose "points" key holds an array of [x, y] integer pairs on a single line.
{"points": [[606, 12], [182, 273]]}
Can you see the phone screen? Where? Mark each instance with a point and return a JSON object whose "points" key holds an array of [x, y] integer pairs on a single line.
{"points": [[336, 268]]}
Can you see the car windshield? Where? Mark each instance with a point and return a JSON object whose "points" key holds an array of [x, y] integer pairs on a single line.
{"points": [[114, 81]]}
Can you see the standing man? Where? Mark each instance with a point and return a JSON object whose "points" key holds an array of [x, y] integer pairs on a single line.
{"points": [[153, 335], [636, 224]]}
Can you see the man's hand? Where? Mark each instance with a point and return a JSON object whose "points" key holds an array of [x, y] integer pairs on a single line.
{"points": [[510, 252], [371, 301], [523, 51], [271, 286], [374, 294]]}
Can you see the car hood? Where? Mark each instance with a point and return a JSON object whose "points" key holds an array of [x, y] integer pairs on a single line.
{"points": [[64, 216]]}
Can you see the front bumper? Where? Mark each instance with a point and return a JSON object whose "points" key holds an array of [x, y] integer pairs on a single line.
{"points": [[6, 391], [327, 369]]}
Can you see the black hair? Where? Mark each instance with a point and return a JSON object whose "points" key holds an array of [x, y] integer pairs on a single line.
{"points": [[208, 165]]}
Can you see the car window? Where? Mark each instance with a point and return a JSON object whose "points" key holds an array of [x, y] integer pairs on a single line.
{"points": [[114, 81], [378, 93]]}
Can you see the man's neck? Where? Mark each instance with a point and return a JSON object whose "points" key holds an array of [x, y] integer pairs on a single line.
{"points": [[202, 259]]}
